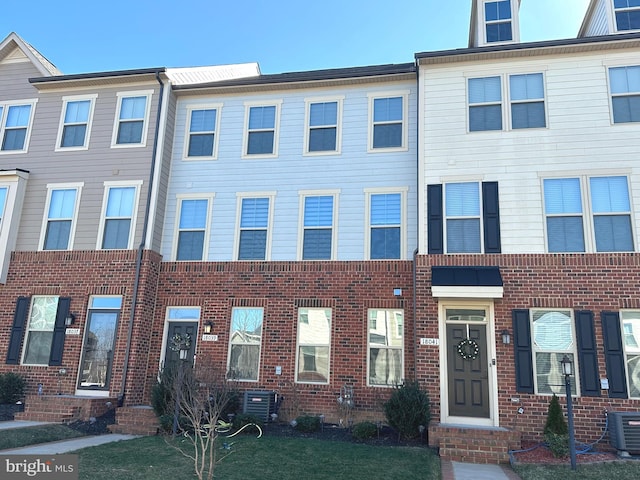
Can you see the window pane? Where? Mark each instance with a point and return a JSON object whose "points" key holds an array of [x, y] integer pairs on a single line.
{"points": [[317, 244], [95, 368], [14, 139], [499, 32], [497, 10], [77, 112], [18, 116], [552, 331], [387, 136], [385, 243], [526, 87], [255, 213], [57, 235], [463, 236], [193, 214], [385, 366], [385, 209], [260, 143], [485, 90], [120, 202], [190, 245], [549, 377], [528, 115], [387, 109], [323, 114], [116, 234], [262, 117], [203, 121], [609, 194], [463, 199], [201, 145], [613, 233], [133, 107], [562, 195], [485, 118], [318, 211], [106, 302], [3, 200], [38, 348], [183, 313], [253, 245], [565, 234], [626, 109], [629, 20], [322, 139], [73, 135], [130, 132], [246, 337]]}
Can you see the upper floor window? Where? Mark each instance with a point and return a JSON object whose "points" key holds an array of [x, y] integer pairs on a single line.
{"points": [[497, 16], [608, 226], [485, 104], [553, 337], [462, 211], [631, 344], [244, 344], [254, 222], [60, 217], [15, 126], [388, 129], [119, 208], [314, 345], [318, 227], [131, 119], [323, 126], [201, 138], [627, 14], [261, 132], [193, 225], [526, 93], [625, 93], [385, 225], [386, 346], [75, 122]]}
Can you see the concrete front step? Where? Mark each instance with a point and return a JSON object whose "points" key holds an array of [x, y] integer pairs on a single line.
{"points": [[473, 444]]}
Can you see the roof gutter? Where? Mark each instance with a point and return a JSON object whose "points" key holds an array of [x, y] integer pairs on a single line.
{"points": [[136, 282]]}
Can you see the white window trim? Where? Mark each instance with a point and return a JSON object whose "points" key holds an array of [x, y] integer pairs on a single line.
{"points": [[368, 353], [187, 134], [515, 24], [271, 195], [329, 345], [207, 230], [87, 133], [587, 214], [613, 20], [27, 331], [507, 84], [145, 121], [403, 218], [405, 120], [3, 118], [573, 350], [276, 127], [16, 182], [134, 215], [611, 95], [230, 344], [635, 313], [480, 217], [334, 223], [45, 218], [308, 102]]}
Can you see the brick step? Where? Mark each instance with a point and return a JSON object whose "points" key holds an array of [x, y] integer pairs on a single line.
{"points": [[64, 408], [136, 420]]}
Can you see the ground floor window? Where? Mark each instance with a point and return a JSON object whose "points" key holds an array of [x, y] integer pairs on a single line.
{"points": [[244, 344], [42, 319], [385, 347], [631, 341], [314, 345]]}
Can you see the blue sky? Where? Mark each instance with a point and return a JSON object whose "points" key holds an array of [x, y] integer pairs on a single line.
{"points": [[281, 35]]}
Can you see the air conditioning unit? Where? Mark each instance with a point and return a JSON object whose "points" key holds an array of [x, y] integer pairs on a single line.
{"points": [[624, 431], [260, 404]]}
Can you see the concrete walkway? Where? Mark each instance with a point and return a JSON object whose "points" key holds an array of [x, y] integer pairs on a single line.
{"points": [[472, 471]]}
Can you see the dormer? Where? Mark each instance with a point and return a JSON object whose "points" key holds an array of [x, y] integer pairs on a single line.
{"points": [[610, 17], [494, 22]]}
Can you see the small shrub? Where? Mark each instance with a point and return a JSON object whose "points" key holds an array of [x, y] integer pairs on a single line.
{"points": [[242, 419], [364, 430], [407, 409], [12, 387], [558, 444], [555, 430], [307, 424]]}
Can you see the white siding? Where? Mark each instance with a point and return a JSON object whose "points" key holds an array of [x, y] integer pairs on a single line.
{"points": [[598, 23], [579, 139]]}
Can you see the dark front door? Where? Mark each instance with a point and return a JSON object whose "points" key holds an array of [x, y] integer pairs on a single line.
{"points": [[180, 332], [468, 370]]}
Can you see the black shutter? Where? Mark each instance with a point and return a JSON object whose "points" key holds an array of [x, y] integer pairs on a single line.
{"points": [[491, 217], [522, 351], [435, 226], [57, 343], [587, 354], [17, 330], [614, 355]]}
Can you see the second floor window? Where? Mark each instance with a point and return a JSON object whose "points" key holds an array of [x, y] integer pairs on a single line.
{"points": [[254, 223], [201, 137], [131, 118], [627, 14], [61, 213], [3, 202], [485, 104], [526, 93], [317, 238], [118, 217], [323, 127], [75, 122], [192, 228], [624, 83], [15, 121], [388, 123], [385, 220], [261, 130], [462, 210]]}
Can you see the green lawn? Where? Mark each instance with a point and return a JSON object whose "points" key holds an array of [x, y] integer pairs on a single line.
{"points": [[20, 437], [629, 470], [268, 458]]}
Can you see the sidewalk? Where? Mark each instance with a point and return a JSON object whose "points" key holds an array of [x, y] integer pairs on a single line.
{"points": [[471, 471]]}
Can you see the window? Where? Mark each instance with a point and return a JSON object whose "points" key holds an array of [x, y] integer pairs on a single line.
{"points": [[60, 218], [552, 339], [119, 209], [527, 101], [568, 229], [3, 202], [202, 132], [244, 345], [192, 228], [262, 121], [254, 222], [627, 14], [485, 104], [497, 16], [75, 123], [385, 223], [323, 126], [631, 341], [42, 319], [625, 94], [131, 117], [15, 125], [386, 344], [462, 210], [318, 232], [314, 340], [387, 115]]}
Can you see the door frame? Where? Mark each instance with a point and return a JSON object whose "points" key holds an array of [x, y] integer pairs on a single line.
{"points": [[165, 333], [445, 418]]}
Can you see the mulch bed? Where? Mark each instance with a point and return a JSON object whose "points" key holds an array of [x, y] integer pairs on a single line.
{"points": [[537, 453]]}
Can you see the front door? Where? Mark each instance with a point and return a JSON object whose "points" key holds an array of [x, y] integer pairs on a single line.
{"points": [[177, 334], [467, 363]]}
